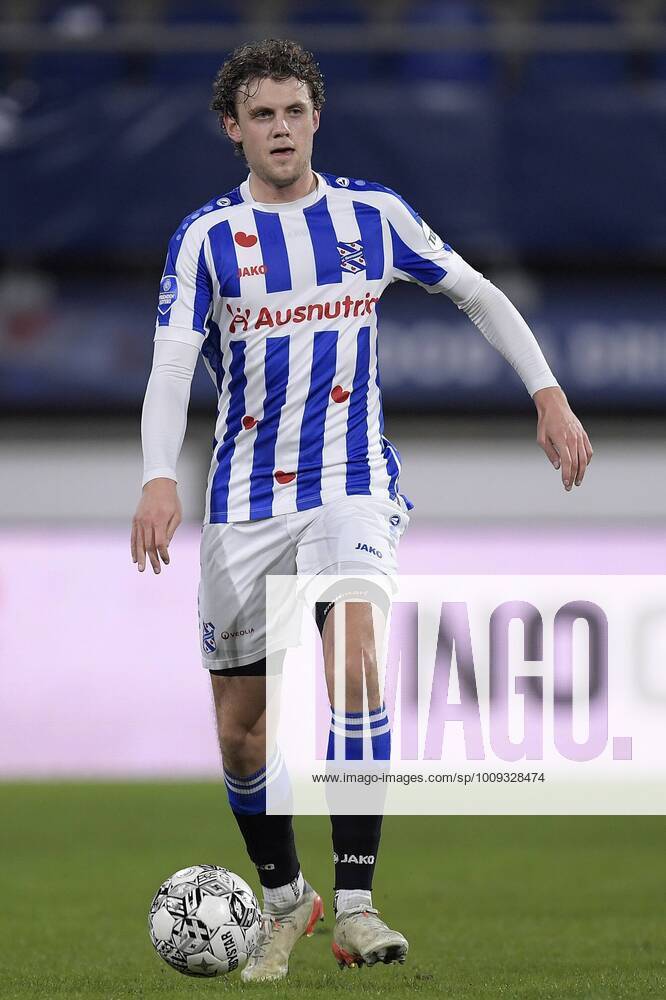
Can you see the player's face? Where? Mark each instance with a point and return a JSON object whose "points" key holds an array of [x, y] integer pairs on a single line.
{"points": [[276, 124]]}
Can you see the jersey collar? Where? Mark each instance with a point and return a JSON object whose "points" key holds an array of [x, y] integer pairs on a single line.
{"points": [[285, 206]]}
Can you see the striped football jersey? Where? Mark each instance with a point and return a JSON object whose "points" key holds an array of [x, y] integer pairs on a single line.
{"points": [[282, 302]]}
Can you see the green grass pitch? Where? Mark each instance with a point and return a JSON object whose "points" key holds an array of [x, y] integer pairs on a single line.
{"points": [[494, 907]]}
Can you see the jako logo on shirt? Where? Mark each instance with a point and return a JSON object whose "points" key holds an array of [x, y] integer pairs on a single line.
{"points": [[251, 271], [168, 293], [370, 549], [302, 314]]}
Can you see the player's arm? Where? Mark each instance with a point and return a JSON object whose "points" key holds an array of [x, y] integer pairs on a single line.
{"points": [[163, 423], [184, 305], [559, 431], [420, 255]]}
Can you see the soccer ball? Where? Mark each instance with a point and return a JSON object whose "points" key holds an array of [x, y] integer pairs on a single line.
{"points": [[204, 921]]}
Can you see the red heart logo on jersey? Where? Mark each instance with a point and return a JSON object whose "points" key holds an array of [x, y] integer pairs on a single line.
{"points": [[285, 477], [245, 239], [249, 422], [339, 395]]}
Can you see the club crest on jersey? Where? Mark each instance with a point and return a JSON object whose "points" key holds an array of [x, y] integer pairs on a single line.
{"points": [[208, 637], [168, 293], [351, 257]]}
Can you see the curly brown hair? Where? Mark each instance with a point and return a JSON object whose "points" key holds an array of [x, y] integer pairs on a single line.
{"points": [[274, 58]]}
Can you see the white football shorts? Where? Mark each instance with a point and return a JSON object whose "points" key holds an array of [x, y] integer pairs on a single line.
{"points": [[347, 535]]}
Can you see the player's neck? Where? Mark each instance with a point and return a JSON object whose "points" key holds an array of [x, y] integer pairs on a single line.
{"points": [[269, 194]]}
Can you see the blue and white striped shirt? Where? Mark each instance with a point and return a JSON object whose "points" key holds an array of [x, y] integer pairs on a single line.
{"points": [[282, 302]]}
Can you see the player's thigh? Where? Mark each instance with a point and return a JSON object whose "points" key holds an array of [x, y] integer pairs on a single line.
{"points": [[359, 657], [356, 538], [235, 560], [361, 532], [239, 693]]}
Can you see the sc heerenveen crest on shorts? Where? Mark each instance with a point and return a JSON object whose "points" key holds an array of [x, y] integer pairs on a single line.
{"points": [[168, 293], [208, 637]]}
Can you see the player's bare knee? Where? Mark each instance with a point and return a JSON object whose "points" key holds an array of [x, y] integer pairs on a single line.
{"points": [[243, 748]]}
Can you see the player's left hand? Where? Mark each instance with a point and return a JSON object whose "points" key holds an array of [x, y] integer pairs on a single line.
{"points": [[562, 436]]}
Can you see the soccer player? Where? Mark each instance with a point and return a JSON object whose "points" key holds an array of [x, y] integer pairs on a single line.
{"points": [[276, 283]]}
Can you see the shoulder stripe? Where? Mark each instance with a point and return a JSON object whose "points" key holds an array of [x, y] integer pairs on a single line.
{"points": [[232, 197], [214, 205], [417, 267], [359, 186]]}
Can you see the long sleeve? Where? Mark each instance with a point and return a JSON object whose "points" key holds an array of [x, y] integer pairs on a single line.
{"points": [[421, 256], [164, 415], [502, 325]]}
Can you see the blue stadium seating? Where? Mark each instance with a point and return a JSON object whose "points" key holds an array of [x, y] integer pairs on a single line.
{"points": [[555, 71], [172, 67], [336, 66], [657, 60], [63, 73], [461, 67]]}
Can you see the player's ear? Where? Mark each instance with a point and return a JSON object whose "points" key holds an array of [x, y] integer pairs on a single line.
{"points": [[315, 120], [232, 128]]}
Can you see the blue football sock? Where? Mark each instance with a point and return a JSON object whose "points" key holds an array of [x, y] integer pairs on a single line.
{"points": [[356, 729]]}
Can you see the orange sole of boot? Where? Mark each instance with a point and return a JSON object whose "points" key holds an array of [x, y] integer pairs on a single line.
{"points": [[344, 958], [387, 955], [317, 914]]}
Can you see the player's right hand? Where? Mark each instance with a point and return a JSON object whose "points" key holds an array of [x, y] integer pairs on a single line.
{"points": [[158, 515]]}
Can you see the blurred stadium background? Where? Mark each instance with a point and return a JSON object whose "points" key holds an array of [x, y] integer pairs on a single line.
{"points": [[530, 135]]}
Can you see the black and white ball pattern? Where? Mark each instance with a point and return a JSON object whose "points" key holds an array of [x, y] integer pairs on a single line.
{"points": [[204, 920]]}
